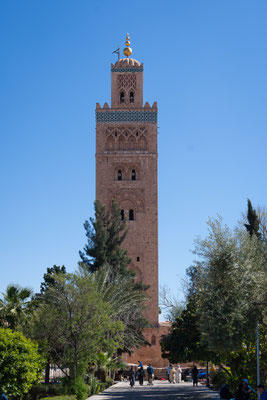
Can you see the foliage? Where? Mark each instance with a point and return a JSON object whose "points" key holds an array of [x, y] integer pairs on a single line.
{"points": [[229, 282], [43, 390], [127, 300], [184, 343], [63, 397], [171, 306], [50, 277], [253, 224], [15, 306], [74, 322], [77, 387], [20, 363], [105, 235], [94, 385]]}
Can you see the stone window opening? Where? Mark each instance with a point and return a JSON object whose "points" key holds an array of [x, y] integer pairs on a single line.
{"points": [[122, 215], [116, 134], [133, 175], [136, 133], [131, 215], [121, 97], [131, 97], [138, 259], [153, 340], [119, 176]]}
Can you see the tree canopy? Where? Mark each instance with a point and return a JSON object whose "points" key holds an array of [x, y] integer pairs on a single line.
{"points": [[105, 234]]}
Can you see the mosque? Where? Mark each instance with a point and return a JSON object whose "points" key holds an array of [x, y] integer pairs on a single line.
{"points": [[126, 171]]}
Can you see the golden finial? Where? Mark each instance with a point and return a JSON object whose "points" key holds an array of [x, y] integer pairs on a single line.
{"points": [[127, 51]]}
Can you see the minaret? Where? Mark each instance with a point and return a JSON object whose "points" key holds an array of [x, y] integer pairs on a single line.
{"points": [[126, 168]]}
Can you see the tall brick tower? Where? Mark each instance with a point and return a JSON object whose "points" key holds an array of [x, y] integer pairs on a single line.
{"points": [[126, 171]]}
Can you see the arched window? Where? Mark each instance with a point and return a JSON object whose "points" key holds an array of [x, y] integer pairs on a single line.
{"points": [[131, 97], [119, 175], [121, 97], [122, 215], [133, 175], [131, 215], [153, 340]]}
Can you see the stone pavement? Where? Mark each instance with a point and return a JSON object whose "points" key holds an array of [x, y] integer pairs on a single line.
{"points": [[161, 390]]}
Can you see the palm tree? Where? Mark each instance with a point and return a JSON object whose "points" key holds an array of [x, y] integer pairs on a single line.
{"points": [[15, 305], [128, 303]]}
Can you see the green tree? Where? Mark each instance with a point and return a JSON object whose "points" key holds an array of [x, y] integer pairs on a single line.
{"points": [[15, 306], [185, 342], [105, 235], [229, 280], [127, 300], [74, 322], [49, 278], [253, 225], [20, 363]]}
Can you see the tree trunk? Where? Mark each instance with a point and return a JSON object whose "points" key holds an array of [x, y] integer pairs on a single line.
{"points": [[47, 372]]}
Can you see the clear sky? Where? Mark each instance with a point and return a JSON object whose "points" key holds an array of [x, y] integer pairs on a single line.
{"points": [[205, 62]]}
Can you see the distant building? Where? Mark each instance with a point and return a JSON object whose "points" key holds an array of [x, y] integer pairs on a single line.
{"points": [[126, 171]]}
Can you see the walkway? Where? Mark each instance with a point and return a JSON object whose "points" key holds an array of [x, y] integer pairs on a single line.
{"points": [[161, 390]]}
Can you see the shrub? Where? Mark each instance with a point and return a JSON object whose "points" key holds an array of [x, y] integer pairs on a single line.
{"points": [[65, 397], [20, 363]]}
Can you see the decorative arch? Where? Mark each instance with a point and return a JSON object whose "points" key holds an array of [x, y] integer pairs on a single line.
{"points": [[110, 143], [121, 143], [131, 142], [142, 143]]}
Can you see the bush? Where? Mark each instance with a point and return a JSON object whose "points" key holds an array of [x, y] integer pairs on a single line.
{"points": [[78, 387], [44, 390], [20, 363], [66, 397], [94, 385]]}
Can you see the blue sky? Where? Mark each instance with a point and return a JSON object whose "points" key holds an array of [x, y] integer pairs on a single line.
{"points": [[205, 63]]}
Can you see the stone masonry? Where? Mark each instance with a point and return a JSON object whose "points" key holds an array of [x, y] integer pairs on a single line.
{"points": [[126, 171]]}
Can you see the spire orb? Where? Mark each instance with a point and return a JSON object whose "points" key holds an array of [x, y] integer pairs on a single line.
{"points": [[127, 51]]}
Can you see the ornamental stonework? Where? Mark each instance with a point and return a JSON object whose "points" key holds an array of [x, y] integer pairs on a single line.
{"points": [[133, 196]]}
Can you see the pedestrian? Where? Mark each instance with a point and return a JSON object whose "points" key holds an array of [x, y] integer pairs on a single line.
{"points": [[141, 374], [140, 364], [262, 391], [168, 372], [172, 374], [132, 376], [195, 375], [241, 393], [150, 374], [3, 396], [178, 374], [225, 393]]}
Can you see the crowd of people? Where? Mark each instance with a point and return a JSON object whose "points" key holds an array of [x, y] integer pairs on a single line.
{"points": [[175, 375]]}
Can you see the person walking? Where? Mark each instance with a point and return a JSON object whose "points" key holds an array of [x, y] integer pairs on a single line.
{"points": [[141, 374], [3, 396], [172, 374], [132, 377], [262, 391], [178, 374], [195, 375], [150, 374], [168, 372]]}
